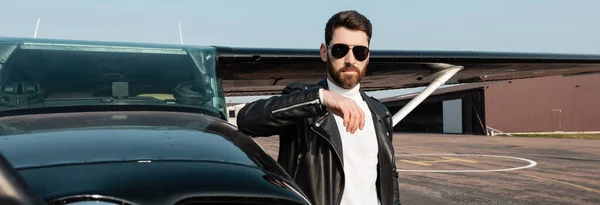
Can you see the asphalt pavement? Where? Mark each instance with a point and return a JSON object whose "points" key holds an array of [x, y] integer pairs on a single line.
{"points": [[467, 169]]}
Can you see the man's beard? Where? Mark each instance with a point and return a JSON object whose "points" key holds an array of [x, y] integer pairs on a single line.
{"points": [[342, 80]]}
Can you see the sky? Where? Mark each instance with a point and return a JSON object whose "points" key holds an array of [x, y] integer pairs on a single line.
{"points": [[549, 26], [506, 25]]}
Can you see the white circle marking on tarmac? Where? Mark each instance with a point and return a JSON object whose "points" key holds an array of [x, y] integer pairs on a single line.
{"points": [[531, 163]]}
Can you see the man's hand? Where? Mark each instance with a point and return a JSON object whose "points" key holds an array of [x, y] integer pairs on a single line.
{"points": [[354, 117]]}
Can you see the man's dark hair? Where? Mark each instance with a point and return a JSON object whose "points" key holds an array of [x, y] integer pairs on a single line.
{"points": [[349, 19]]}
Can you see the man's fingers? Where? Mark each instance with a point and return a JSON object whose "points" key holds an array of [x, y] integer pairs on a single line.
{"points": [[356, 117], [349, 123], [359, 116], [351, 118], [362, 118], [352, 126], [346, 116]]}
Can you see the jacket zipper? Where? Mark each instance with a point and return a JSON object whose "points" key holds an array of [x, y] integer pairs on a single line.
{"points": [[319, 121], [297, 165], [296, 105], [330, 143], [339, 198]]}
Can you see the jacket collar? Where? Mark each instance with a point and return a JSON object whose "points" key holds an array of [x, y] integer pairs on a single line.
{"points": [[377, 110]]}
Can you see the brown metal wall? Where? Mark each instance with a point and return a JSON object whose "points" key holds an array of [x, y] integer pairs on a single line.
{"points": [[545, 104]]}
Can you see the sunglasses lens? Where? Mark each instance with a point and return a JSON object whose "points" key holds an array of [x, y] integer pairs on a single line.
{"points": [[339, 50], [360, 52]]}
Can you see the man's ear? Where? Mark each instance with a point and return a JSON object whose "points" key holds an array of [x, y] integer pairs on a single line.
{"points": [[323, 52]]}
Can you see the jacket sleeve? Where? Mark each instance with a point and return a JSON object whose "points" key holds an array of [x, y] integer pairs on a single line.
{"points": [[268, 117]]}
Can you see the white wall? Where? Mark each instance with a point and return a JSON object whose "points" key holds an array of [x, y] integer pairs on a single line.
{"points": [[236, 109]]}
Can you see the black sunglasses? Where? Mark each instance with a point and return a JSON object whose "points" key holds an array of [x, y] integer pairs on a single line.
{"points": [[340, 50]]}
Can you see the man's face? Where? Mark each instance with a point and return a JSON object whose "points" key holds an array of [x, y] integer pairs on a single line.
{"points": [[346, 70]]}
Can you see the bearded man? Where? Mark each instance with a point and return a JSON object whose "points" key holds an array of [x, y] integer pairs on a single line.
{"points": [[334, 140]]}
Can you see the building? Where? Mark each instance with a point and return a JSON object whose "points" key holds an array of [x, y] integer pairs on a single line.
{"points": [[233, 109], [545, 104]]}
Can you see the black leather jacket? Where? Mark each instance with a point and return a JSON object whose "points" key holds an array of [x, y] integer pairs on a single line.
{"points": [[310, 148]]}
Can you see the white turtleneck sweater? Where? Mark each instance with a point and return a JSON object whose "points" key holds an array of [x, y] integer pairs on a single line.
{"points": [[360, 154]]}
